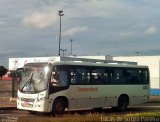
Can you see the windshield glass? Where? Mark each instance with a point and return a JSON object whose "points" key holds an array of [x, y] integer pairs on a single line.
{"points": [[35, 78]]}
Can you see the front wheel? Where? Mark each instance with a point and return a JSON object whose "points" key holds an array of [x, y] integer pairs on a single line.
{"points": [[122, 103], [58, 107]]}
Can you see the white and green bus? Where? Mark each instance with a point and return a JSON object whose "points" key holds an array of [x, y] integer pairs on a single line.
{"points": [[68, 85]]}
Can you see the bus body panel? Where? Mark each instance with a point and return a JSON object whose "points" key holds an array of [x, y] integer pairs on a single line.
{"points": [[104, 96], [95, 96]]}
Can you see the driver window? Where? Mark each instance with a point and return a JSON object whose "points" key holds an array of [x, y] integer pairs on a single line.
{"points": [[63, 78], [59, 77], [55, 78]]}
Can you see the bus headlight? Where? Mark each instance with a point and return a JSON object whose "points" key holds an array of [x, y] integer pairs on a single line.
{"points": [[40, 99], [46, 69]]}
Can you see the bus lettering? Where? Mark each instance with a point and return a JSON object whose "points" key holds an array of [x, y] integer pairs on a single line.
{"points": [[87, 89]]}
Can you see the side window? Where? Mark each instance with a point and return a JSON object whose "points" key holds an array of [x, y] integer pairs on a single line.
{"points": [[54, 77], [59, 77], [99, 76], [118, 76], [63, 78], [143, 76], [137, 76], [96, 75], [89, 76], [80, 75], [107, 76], [72, 76]]}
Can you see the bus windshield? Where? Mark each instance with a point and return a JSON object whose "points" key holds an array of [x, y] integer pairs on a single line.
{"points": [[35, 78]]}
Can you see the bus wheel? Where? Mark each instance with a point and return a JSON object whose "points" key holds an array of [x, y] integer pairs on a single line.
{"points": [[99, 110], [122, 103], [58, 107]]}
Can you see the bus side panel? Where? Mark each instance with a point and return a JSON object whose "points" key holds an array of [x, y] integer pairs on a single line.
{"points": [[83, 96], [94, 96], [91, 96], [137, 93], [105, 95]]}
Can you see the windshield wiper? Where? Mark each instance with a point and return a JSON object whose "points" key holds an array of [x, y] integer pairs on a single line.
{"points": [[29, 81]]}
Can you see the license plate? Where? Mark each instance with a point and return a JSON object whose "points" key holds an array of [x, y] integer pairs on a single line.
{"points": [[27, 104]]}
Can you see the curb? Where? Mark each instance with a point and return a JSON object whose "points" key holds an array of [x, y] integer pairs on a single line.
{"points": [[8, 103], [9, 99], [13, 99]]}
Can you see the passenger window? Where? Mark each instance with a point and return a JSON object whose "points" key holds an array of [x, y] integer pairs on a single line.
{"points": [[99, 76], [118, 77]]}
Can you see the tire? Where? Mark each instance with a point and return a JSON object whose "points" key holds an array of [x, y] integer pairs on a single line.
{"points": [[114, 108], [99, 110], [58, 107], [122, 103]]}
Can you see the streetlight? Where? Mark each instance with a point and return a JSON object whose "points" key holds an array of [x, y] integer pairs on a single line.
{"points": [[71, 45], [137, 53], [60, 13], [63, 50]]}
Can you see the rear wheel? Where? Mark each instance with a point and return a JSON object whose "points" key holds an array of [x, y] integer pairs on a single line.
{"points": [[122, 103], [99, 110], [58, 107], [114, 108]]}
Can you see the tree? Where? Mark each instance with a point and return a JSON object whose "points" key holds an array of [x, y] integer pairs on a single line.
{"points": [[3, 71]]}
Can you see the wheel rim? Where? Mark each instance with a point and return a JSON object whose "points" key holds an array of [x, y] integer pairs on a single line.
{"points": [[123, 103], [59, 107]]}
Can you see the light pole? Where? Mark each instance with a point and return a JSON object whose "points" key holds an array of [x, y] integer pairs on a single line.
{"points": [[60, 13], [71, 45], [137, 53], [63, 50]]}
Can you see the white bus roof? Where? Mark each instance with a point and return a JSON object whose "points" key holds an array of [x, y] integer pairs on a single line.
{"points": [[97, 64], [82, 63]]}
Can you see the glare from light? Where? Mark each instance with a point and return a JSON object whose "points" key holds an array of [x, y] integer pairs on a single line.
{"points": [[46, 69]]}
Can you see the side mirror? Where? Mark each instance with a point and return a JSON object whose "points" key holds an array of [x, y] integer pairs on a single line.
{"points": [[19, 72]]}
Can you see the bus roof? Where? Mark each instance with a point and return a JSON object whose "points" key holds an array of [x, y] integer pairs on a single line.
{"points": [[98, 64], [81, 63]]}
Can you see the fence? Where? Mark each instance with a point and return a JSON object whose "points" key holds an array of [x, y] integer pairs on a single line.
{"points": [[8, 88]]}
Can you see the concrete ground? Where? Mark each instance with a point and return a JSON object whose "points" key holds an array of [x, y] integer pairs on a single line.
{"points": [[6, 102], [154, 98]]}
